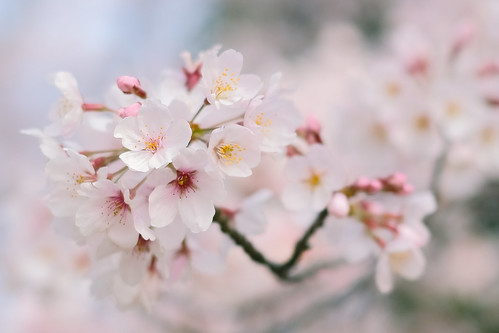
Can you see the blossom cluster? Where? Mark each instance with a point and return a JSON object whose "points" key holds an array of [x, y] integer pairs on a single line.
{"points": [[144, 200]]}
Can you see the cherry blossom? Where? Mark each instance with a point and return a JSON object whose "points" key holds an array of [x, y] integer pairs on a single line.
{"points": [[154, 137], [107, 209], [234, 149], [188, 193], [274, 121], [312, 179], [68, 172], [67, 114], [222, 81]]}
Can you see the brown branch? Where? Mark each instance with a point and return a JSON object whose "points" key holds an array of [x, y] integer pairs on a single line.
{"points": [[280, 270]]}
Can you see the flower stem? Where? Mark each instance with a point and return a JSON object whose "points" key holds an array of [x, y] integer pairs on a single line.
{"points": [[199, 111]]}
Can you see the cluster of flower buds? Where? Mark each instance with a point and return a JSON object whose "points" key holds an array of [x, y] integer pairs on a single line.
{"points": [[145, 199]]}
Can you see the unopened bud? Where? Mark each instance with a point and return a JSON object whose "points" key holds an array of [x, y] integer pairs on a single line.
{"points": [[406, 189], [130, 85], [374, 186], [339, 205], [311, 131], [130, 111], [398, 179], [361, 183]]}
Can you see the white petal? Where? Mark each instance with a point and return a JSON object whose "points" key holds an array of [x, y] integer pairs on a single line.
{"points": [[297, 196], [127, 129], [232, 60], [123, 233], [133, 266], [162, 206], [412, 266], [249, 86], [171, 236], [178, 135], [196, 212], [137, 160], [384, 278], [91, 217]]}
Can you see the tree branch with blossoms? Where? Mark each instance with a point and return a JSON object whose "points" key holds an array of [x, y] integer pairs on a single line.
{"points": [[149, 195]]}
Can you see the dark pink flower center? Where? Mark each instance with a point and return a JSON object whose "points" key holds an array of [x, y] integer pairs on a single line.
{"points": [[185, 182]]}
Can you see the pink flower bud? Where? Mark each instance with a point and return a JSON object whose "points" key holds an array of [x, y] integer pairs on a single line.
{"points": [[398, 180], [130, 85], [374, 186], [98, 162], [311, 131], [130, 111], [313, 124], [362, 183], [339, 205], [406, 189]]}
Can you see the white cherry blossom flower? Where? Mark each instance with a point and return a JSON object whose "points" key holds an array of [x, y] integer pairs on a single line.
{"points": [[48, 145], [234, 149], [107, 210], [67, 114], [401, 258], [188, 193], [154, 137], [312, 179], [222, 81], [69, 171], [274, 121]]}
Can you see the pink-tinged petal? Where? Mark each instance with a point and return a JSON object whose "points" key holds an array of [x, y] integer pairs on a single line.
{"points": [[297, 167], [320, 197], [125, 294], [409, 265], [171, 236], [92, 217], [154, 117], [196, 212], [249, 86], [296, 196], [209, 263], [191, 159], [137, 160], [178, 267], [65, 82], [63, 203], [178, 135], [129, 133], [162, 206], [160, 158], [133, 266], [232, 60], [123, 232], [384, 278], [420, 204]]}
